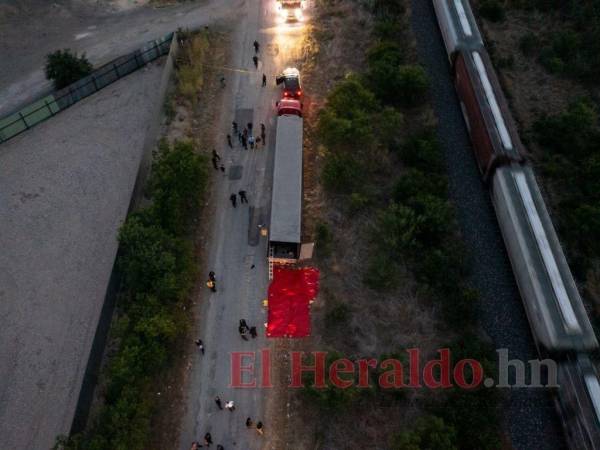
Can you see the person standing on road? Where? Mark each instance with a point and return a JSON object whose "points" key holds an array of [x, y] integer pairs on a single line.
{"points": [[251, 142], [229, 141], [248, 422], [200, 345], [240, 136], [211, 276], [234, 125], [215, 161], [263, 134], [245, 133], [216, 155], [230, 405], [255, 60], [212, 285], [233, 199], [242, 332], [259, 427], [264, 80], [253, 332], [250, 127], [207, 439], [243, 198], [218, 402], [244, 143], [256, 46]]}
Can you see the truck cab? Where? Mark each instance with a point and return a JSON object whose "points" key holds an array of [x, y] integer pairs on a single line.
{"points": [[289, 107]]}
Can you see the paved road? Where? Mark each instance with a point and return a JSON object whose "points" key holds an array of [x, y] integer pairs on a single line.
{"points": [[102, 34], [529, 414], [236, 245]]}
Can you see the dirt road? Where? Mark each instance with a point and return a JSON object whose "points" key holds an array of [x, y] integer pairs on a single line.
{"points": [[37, 27], [237, 252]]}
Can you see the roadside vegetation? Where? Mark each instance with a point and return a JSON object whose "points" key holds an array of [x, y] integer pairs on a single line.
{"points": [[64, 67], [559, 116], [384, 182], [159, 251], [157, 269]]}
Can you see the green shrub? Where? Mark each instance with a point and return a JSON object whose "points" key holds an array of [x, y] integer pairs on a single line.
{"points": [[428, 433], [338, 315], [177, 183], [64, 67], [492, 10], [415, 182], [342, 173], [529, 44], [422, 152], [324, 239], [382, 272]]}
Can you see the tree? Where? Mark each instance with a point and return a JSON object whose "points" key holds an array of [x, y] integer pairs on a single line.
{"points": [[64, 67], [429, 433]]}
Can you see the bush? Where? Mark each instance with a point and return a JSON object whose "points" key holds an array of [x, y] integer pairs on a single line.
{"points": [[415, 182], [382, 272], [529, 44], [428, 433], [324, 240], [337, 316], [342, 173], [422, 152], [404, 85], [64, 67], [492, 10]]}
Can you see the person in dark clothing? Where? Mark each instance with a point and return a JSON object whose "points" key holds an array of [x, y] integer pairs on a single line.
{"points": [[207, 439], [244, 143], [234, 125], [216, 155], [253, 332], [215, 161], [259, 427], [243, 198], [264, 80], [263, 135], [248, 422], [243, 323], [245, 133], [218, 402], [255, 60], [229, 141], [220, 447], [262, 127], [256, 46], [250, 126], [222, 168], [200, 345], [243, 332], [233, 199], [211, 276]]}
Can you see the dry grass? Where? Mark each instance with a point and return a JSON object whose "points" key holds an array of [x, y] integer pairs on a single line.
{"points": [[373, 323]]}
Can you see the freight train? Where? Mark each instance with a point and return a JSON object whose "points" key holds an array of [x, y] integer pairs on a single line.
{"points": [[558, 319]]}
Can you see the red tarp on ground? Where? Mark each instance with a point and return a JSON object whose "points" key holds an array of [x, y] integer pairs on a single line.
{"points": [[290, 293]]}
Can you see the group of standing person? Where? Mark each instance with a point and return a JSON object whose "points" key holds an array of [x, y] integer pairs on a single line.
{"points": [[246, 138]]}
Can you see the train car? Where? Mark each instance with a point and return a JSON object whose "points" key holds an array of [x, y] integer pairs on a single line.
{"points": [[554, 307], [458, 26], [578, 400]]}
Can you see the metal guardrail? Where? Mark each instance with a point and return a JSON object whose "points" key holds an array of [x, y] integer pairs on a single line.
{"points": [[42, 109]]}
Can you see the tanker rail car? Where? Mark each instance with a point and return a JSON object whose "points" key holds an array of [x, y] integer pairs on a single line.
{"points": [[559, 322]]}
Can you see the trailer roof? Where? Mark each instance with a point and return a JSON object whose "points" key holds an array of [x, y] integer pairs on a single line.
{"points": [[286, 204]]}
